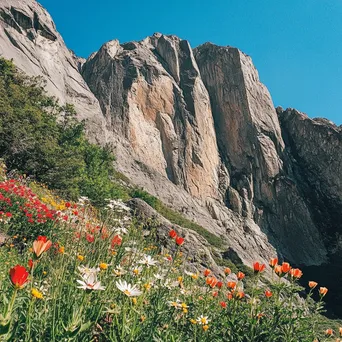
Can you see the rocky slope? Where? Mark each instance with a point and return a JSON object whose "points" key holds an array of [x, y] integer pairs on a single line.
{"points": [[199, 130]]}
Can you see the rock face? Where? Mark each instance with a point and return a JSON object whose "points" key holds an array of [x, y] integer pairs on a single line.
{"points": [[153, 96], [199, 130], [29, 37], [315, 147], [204, 121]]}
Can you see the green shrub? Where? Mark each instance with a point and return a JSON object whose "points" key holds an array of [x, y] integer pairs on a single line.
{"points": [[50, 150]]}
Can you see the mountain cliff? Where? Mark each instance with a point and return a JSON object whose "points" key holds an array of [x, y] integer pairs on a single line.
{"points": [[197, 129]]}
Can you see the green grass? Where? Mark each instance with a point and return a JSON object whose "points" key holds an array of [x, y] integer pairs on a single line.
{"points": [[175, 217]]}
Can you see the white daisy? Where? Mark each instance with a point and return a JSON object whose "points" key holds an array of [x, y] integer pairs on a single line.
{"points": [[120, 231], [148, 261], [86, 270], [174, 304], [137, 270], [119, 271], [89, 282], [128, 289], [203, 320]]}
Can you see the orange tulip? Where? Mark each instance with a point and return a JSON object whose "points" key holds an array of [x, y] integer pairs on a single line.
{"points": [[312, 284], [231, 284], [41, 245], [323, 291], [285, 267], [258, 268], [211, 281], [329, 332], [227, 271], [206, 272], [229, 296], [296, 273], [278, 270], [273, 262], [240, 275], [240, 295]]}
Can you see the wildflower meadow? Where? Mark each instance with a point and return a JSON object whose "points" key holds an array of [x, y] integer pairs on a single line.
{"points": [[70, 272]]}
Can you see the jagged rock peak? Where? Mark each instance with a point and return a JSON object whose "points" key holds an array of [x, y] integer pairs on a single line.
{"points": [[28, 35]]}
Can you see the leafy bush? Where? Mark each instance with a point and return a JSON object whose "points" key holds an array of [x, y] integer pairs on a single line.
{"points": [[175, 217], [43, 140]]}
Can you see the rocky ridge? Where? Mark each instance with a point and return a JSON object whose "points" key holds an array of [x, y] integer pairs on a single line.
{"points": [[197, 129]]}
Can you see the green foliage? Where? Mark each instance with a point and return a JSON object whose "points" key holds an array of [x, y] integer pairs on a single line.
{"points": [[175, 217], [53, 151]]}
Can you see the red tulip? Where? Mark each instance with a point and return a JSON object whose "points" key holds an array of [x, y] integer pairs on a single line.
{"points": [[268, 293], [90, 238], [19, 276], [223, 304], [172, 234], [179, 240], [219, 284], [116, 241]]}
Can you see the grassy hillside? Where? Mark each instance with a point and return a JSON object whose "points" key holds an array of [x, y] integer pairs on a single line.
{"points": [[72, 273]]}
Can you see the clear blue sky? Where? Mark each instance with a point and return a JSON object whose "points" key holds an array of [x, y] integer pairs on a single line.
{"points": [[296, 45]]}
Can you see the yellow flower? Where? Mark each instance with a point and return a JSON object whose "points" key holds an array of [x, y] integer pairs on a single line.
{"points": [[205, 327], [80, 257], [103, 266], [184, 306], [134, 301], [147, 286], [44, 273], [61, 250], [36, 293], [30, 249], [180, 279], [11, 245], [193, 321], [142, 318]]}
